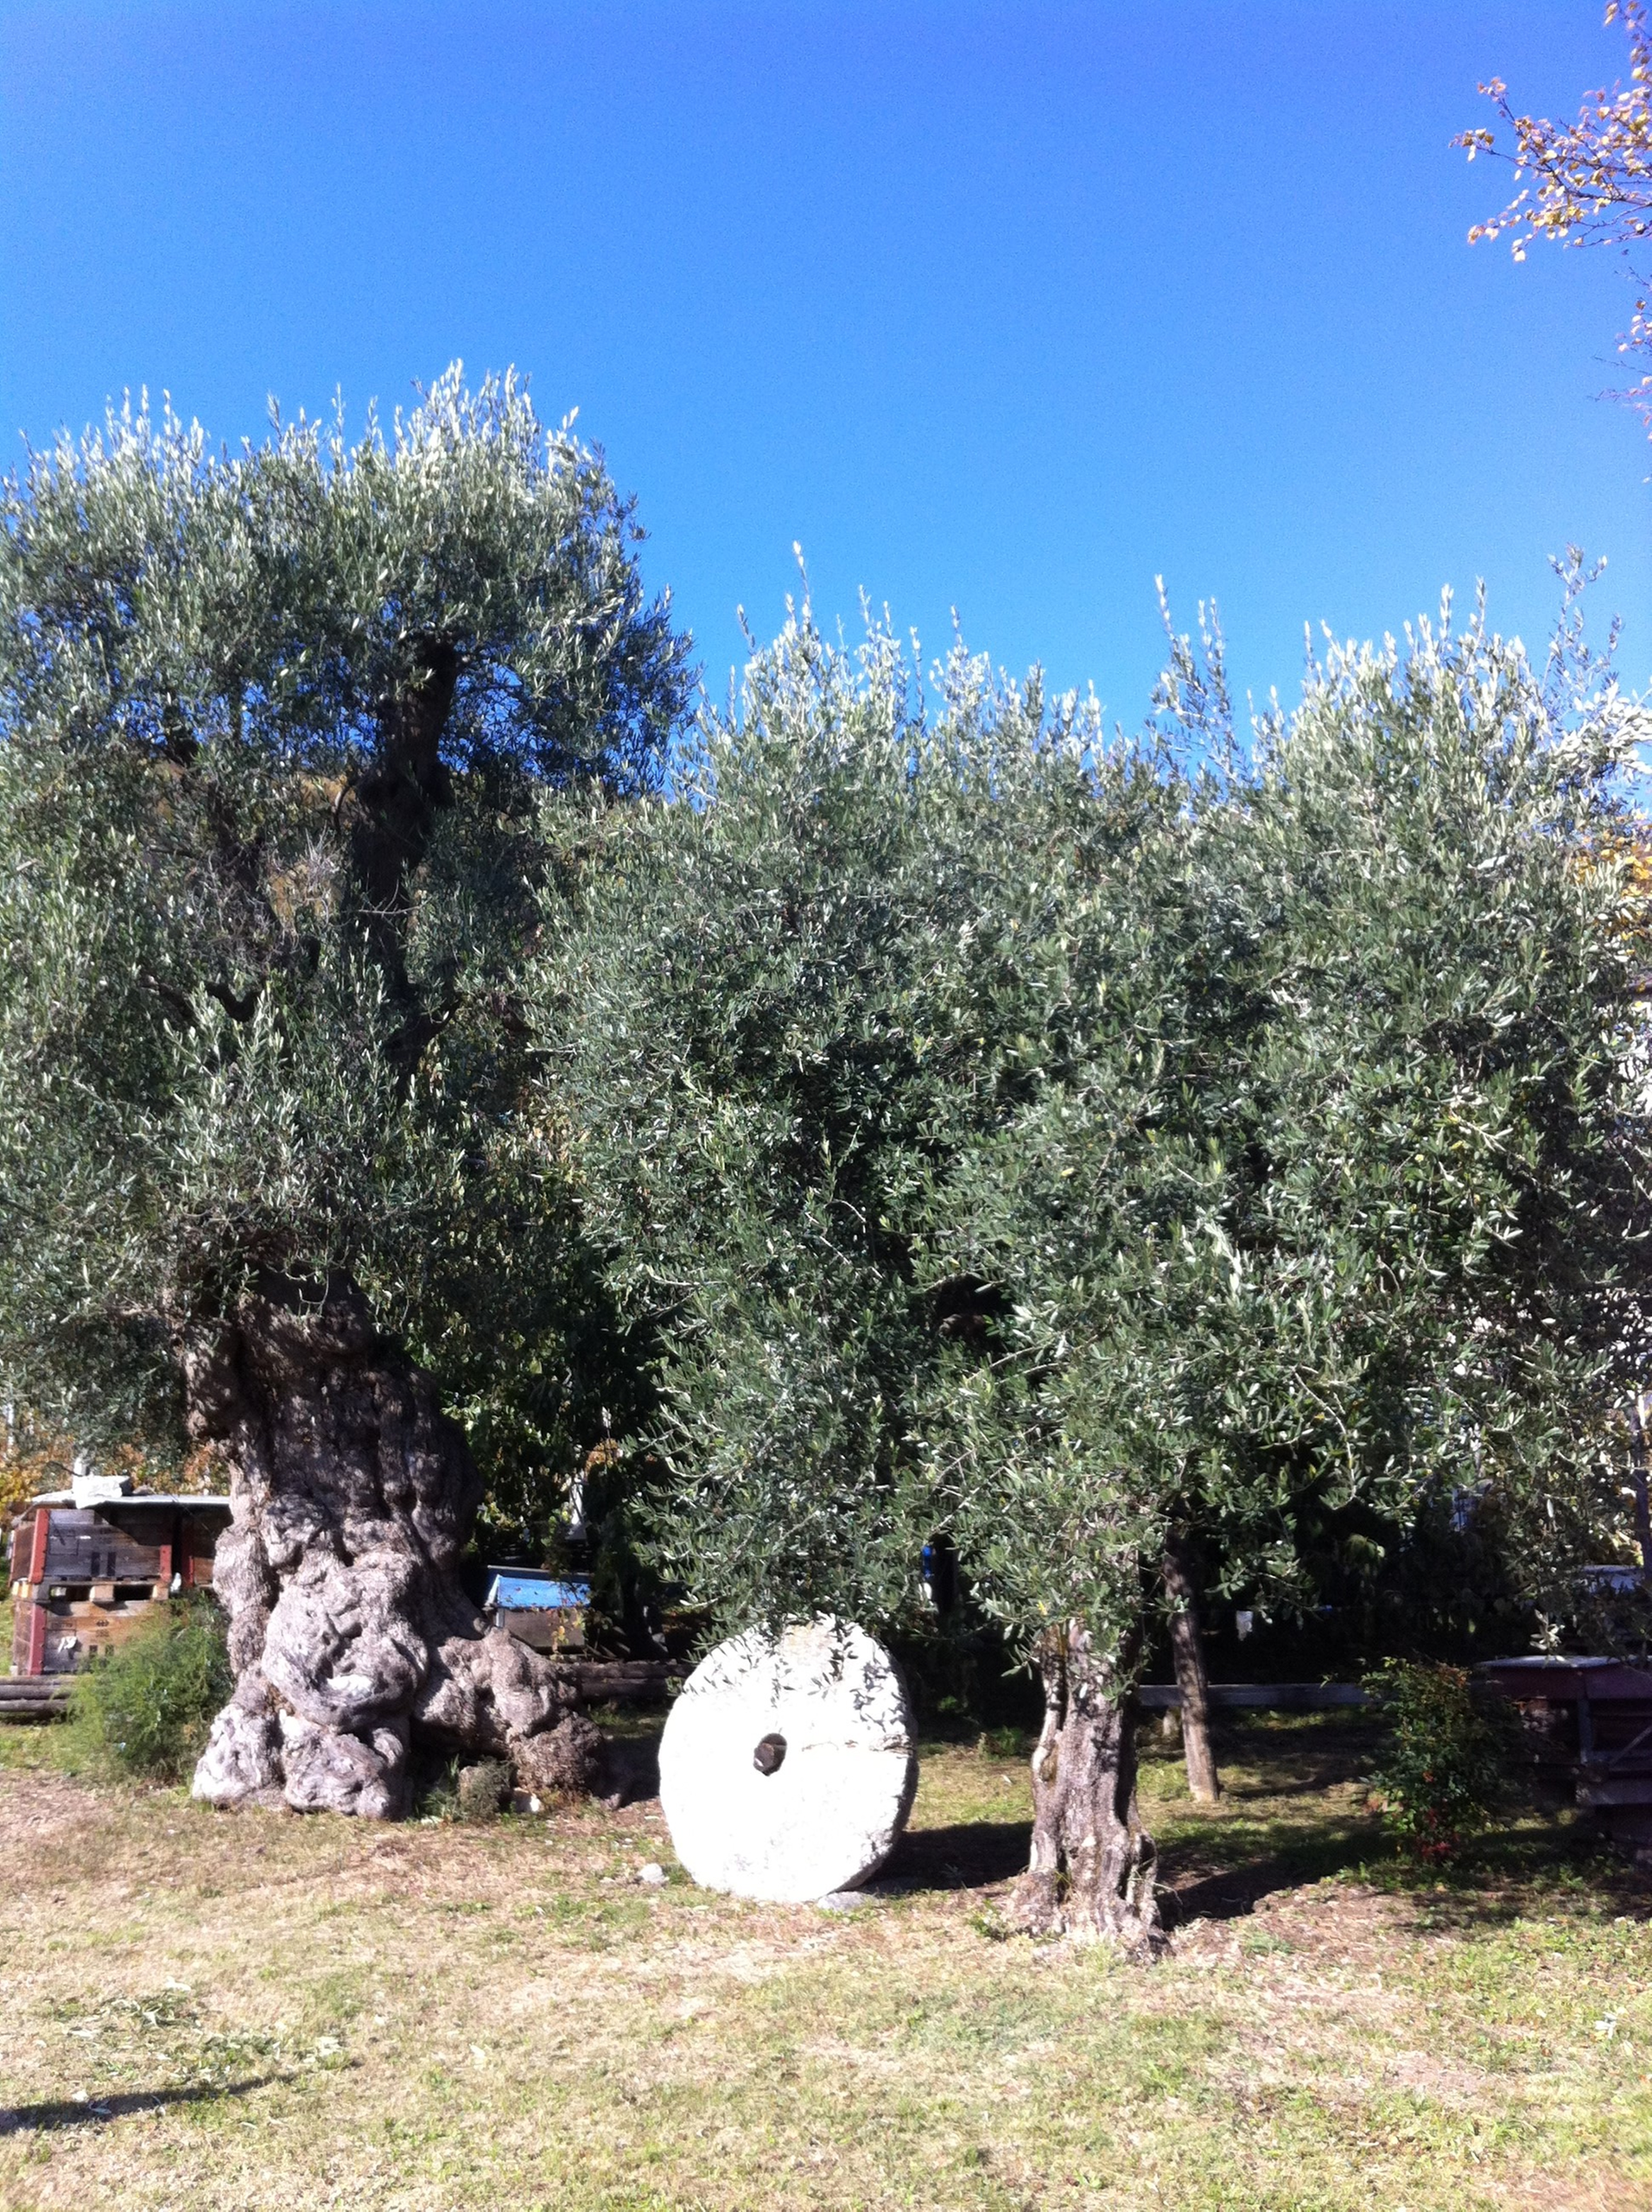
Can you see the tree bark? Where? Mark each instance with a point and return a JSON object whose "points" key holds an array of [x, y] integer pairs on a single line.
{"points": [[1187, 1648], [1638, 1410], [1090, 1874], [393, 817], [350, 1637]]}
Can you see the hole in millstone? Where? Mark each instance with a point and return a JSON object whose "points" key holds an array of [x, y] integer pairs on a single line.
{"points": [[769, 1753]]}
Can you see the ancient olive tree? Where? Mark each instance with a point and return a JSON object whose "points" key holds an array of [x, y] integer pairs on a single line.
{"points": [[1117, 1168], [272, 725]]}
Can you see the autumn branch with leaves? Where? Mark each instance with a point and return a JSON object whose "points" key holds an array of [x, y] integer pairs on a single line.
{"points": [[1587, 182]]}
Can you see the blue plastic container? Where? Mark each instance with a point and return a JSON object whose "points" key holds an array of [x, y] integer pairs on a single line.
{"points": [[513, 1591]]}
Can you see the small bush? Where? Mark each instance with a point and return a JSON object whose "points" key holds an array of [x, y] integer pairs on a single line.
{"points": [[144, 1709], [1443, 1769], [435, 1785], [482, 1789]]}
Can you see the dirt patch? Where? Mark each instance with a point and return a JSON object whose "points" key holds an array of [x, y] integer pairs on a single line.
{"points": [[36, 1807], [1598, 2190]]}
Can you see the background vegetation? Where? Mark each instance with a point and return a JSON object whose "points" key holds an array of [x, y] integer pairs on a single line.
{"points": [[143, 1710]]}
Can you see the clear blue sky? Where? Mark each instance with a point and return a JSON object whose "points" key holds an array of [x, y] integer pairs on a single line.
{"points": [[1001, 307]]}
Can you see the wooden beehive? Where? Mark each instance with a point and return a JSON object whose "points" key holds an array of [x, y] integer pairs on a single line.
{"points": [[1590, 1722], [545, 1611], [83, 1577]]}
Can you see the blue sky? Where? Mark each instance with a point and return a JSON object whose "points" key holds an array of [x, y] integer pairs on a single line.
{"points": [[1003, 308]]}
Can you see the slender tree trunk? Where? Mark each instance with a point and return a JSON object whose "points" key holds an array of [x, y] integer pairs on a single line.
{"points": [[1187, 1647], [1090, 1874], [1639, 1407], [350, 1637]]}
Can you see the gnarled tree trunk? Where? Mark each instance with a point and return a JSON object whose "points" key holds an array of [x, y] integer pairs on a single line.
{"points": [[1187, 1648], [353, 1495], [1091, 1871]]}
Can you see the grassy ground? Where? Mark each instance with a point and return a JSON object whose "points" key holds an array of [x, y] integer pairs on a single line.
{"points": [[226, 2012]]}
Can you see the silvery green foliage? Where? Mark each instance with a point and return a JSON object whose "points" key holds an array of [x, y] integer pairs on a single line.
{"points": [[271, 726], [1003, 1130], [1363, 1213], [781, 1011]]}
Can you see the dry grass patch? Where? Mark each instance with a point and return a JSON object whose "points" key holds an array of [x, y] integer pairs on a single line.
{"points": [[252, 2010]]}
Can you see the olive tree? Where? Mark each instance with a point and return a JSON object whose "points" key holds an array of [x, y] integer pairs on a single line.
{"points": [[777, 1007], [1111, 1164], [1386, 1231], [794, 1014], [272, 724]]}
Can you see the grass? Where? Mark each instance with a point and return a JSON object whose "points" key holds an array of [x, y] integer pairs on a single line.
{"points": [[254, 2011]]}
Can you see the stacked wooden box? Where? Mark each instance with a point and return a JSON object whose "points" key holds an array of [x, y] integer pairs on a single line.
{"points": [[84, 1576]]}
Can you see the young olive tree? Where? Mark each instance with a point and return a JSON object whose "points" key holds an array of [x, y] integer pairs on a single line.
{"points": [[795, 1018], [774, 1006], [1007, 1134], [1384, 1229], [272, 725]]}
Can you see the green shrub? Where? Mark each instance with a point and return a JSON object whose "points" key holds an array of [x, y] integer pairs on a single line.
{"points": [[1443, 1769], [482, 1789], [144, 1709]]}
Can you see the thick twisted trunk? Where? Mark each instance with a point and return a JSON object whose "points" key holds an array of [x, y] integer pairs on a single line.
{"points": [[1187, 1648], [349, 1634], [1091, 1871]]}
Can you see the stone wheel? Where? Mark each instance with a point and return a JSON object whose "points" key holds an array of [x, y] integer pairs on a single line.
{"points": [[787, 1768]]}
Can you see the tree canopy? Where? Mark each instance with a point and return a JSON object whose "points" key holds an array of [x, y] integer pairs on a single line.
{"points": [[779, 1009], [1086, 1149], [273, 722], [1378, 1228], [1014, 1134]]}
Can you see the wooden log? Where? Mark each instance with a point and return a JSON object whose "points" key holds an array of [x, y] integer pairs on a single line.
{"points": [[617, 1680], [26, 1699]]}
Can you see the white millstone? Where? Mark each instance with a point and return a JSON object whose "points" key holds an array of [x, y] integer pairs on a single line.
{"points": [[828, 1815]]}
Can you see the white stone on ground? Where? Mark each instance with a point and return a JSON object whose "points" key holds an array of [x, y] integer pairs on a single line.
{"points": [[828, 1815]]}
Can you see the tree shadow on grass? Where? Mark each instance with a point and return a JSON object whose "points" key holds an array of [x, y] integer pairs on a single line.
{"points": [[631, 1763], [1533, 1866], [980, 1853], [1237, 1891], [967, 1857], [1279, 1756], [69, 2112], [1563, 1871]]}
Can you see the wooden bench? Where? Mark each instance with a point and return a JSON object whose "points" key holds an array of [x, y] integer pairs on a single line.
{"points": [[1266, 1697]]}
